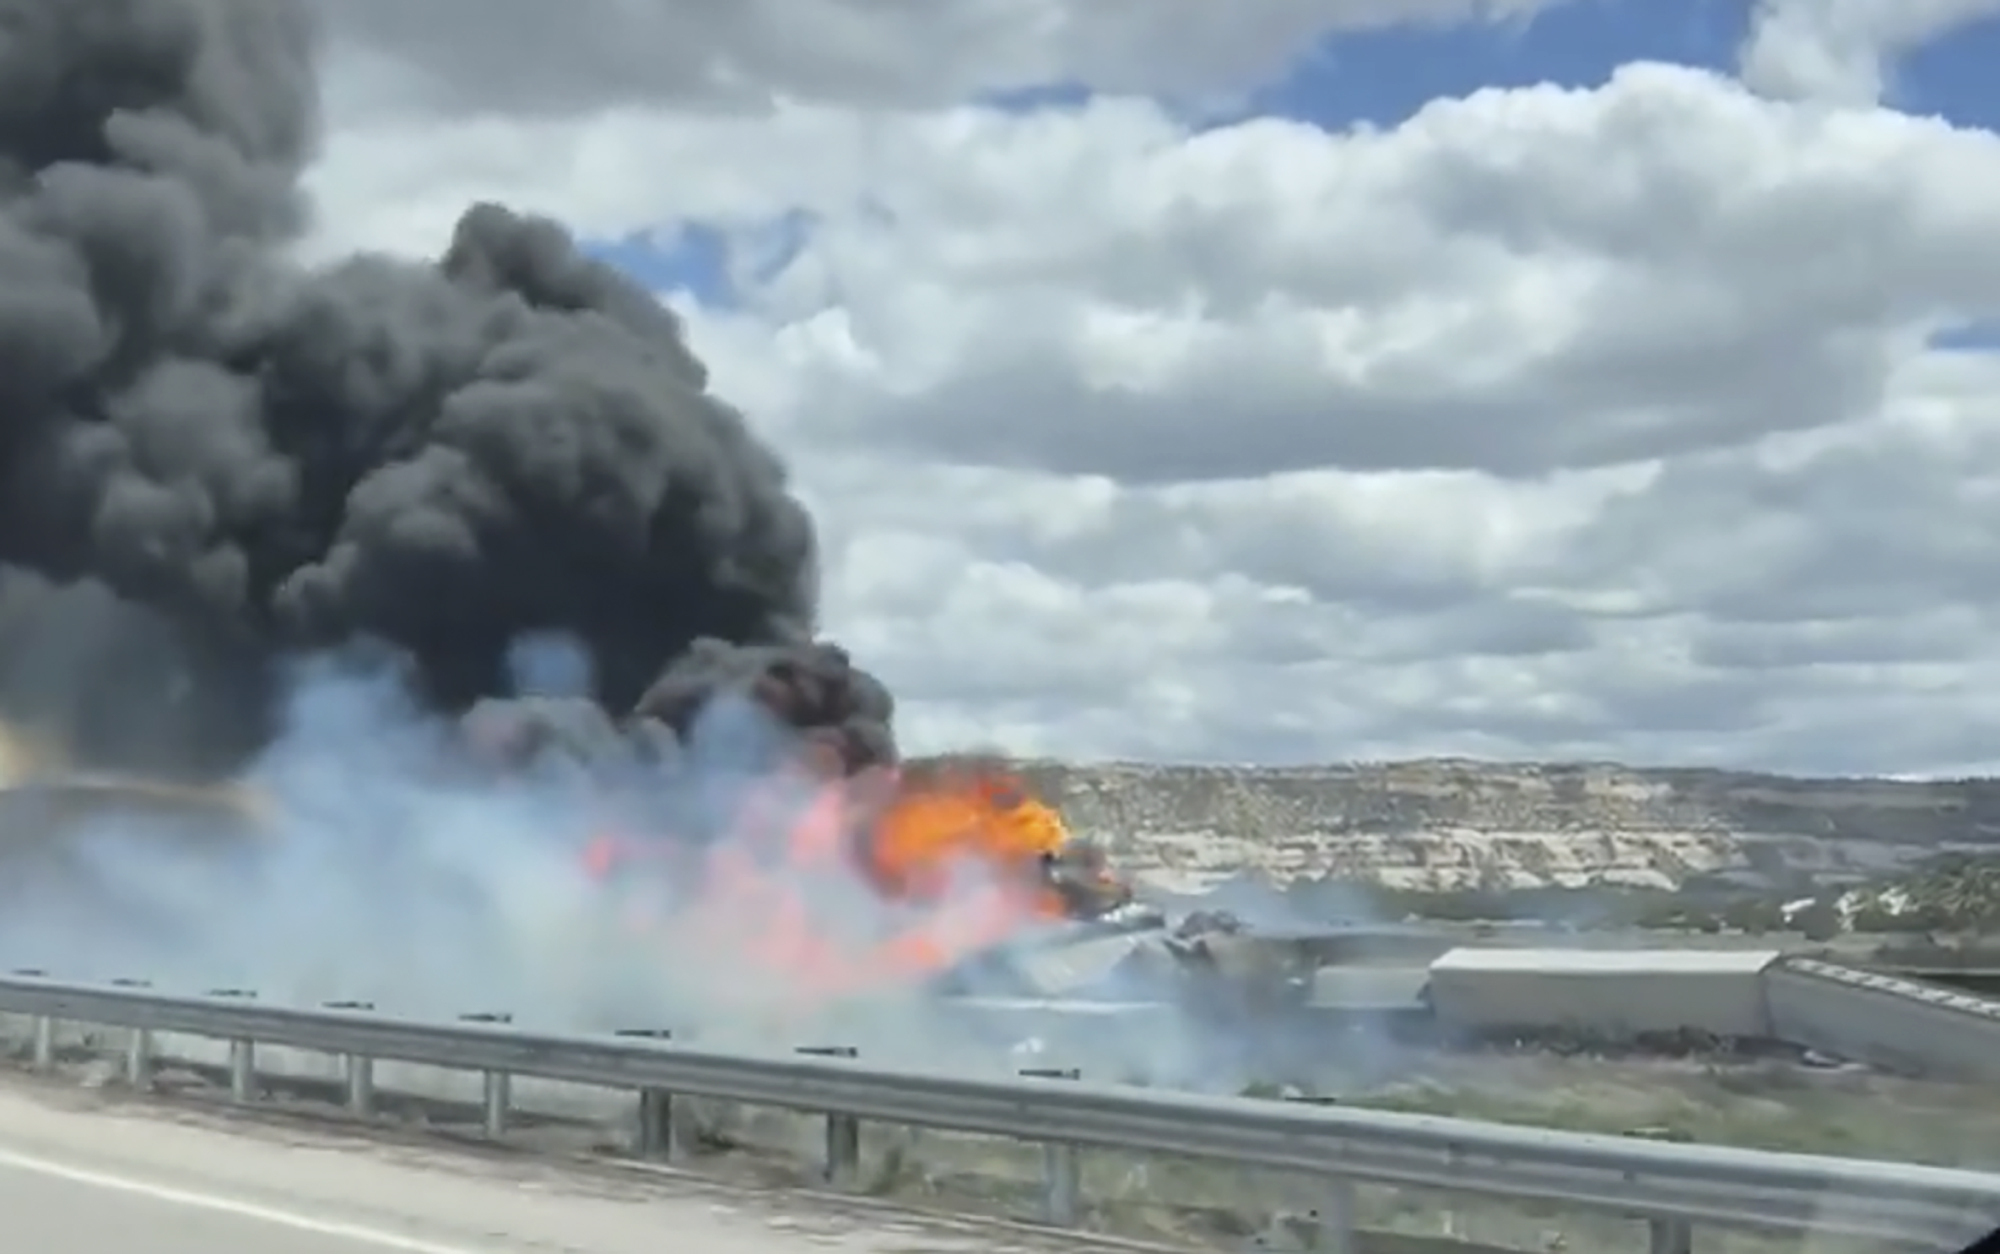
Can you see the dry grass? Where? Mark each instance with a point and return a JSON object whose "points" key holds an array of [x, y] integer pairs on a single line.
{"points": [[1755, 1105]]}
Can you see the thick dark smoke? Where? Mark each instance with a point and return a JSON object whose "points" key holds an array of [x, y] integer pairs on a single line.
{"points": [[81, 668], [838, 714], [210, 457]]}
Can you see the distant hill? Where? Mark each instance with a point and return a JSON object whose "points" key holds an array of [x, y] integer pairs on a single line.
{"points": [[1451, 824]]}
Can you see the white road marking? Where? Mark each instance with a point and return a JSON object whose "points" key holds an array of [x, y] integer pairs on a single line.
{"points": [[294, 1220]]}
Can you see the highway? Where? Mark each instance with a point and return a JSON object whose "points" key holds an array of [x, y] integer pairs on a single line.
{"points": [[82, 1175]]}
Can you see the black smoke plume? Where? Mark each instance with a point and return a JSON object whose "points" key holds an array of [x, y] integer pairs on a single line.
{"points": [[211, 457]]}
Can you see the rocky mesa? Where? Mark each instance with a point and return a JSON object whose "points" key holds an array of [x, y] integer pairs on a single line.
{"points": [[1444, 824]]}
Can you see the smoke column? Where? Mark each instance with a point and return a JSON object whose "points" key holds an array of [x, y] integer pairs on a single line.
{"points": [[501, 469], [510, 442], [317, 530], [320, 531]]}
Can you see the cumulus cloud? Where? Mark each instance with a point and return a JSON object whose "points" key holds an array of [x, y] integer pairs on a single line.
{"points": [[528, 57], [1636, 420], [1845, 50]]}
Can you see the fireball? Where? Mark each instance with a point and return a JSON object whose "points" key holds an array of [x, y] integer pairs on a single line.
{"points": [[844, 885]]}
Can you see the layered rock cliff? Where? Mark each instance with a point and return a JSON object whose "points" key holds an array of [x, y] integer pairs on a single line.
{"points": [[1451, 824]]}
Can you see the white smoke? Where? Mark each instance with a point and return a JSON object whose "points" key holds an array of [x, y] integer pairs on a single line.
{"points": [[378, 873]]}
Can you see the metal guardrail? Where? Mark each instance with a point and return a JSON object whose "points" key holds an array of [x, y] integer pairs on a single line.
{"points": [[1671, 1186]]}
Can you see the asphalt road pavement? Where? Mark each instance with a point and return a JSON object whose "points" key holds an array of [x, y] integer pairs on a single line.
{"points": [[84, 1174], [47, 1213]]}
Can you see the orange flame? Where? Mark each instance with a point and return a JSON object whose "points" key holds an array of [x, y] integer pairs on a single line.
{"points": [[943, 868], [931, 831]]}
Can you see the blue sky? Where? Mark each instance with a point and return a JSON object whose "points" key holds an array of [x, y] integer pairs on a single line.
{"points": [[1382, 78]]}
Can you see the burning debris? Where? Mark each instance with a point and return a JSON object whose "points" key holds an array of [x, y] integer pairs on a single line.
{"points": [[953, 865], [802, 797]]}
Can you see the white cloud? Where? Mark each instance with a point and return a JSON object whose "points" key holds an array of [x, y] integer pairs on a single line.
{"points": [[1845, 50], [1547, 422], [518, 57]]}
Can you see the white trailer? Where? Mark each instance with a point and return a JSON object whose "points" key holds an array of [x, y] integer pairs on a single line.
{"points": [[1605, 994]]}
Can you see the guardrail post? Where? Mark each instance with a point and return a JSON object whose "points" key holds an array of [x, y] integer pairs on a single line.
{"points": [[44, 1055], [45, 1043], [659, 1130], [843, 1131], [358, 1069], [1666, 1235], [497, 1093], [1062, 1168], [1669, 1236], [138, 1046], [242, 1055], [1336, 1213]]}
